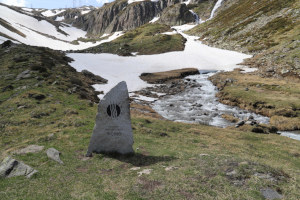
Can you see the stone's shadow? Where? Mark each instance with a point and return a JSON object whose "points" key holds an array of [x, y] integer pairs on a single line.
{"points": [[140, 160]]}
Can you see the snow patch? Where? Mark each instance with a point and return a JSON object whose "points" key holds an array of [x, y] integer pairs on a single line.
{"points": [[116, 68], [170, 33], [51, 13], [27, 9], [104, 35], [187, 2], [60, 18], [154, 19], [40, 33], [85, 12], [247, 69]]}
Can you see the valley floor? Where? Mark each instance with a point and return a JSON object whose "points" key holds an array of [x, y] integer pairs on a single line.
{"points": [[184, 162]]}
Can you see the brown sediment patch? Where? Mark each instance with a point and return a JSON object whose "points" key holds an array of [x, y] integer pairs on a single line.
{"points": [[163, 77], [230, 118], [144, 110]]}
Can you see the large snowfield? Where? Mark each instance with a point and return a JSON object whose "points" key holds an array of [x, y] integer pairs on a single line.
{"points": [[116, 68], [41, 33]]}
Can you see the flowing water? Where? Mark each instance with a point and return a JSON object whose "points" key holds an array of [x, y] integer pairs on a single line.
{"points": [[291, 134], [199, 104], [217, 5]]}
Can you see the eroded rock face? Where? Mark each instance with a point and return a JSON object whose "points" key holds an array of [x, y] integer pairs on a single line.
{"points": [[121, 16], [113, 132], [11, 167], [176, 15]]}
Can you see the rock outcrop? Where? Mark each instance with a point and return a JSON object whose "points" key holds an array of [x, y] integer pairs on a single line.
{"points": [[10, 167], [54, 155], [175, 15], [121, 16]]}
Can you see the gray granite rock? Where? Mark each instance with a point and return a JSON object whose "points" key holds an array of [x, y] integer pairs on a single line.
{"points": [[30, 149], [11, 167], [54, 155], [269, 193], [23, 75], [113, 132]]}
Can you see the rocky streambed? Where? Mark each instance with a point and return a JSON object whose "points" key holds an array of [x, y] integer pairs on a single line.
{"points": [[196, 102]]}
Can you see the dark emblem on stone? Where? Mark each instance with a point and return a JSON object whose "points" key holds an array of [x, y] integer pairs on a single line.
{"points": [[113, 110], [113, 132]]}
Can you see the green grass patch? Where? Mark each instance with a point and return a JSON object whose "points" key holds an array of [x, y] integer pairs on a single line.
{"points": [[146, 39]]}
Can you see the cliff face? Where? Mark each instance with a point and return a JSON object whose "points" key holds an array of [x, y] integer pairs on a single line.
{"points": [[120, 16], [177, 14]]}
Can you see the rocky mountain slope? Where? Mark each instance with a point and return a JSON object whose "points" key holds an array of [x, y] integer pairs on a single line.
{"points": [[121, 15], [269, 29], [25, 69]]}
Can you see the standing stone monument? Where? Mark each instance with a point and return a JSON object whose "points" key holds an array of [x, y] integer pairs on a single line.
{"points": [[113, 132]]}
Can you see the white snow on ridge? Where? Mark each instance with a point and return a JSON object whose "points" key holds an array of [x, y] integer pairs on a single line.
{"points": [[154, 19], [51, 13], [85, 12], [30, 24], [116, 68], [59, 19], [32, 28], [27, 9]]}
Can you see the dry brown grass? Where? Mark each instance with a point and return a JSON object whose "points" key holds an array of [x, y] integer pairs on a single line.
{"points": [[230, 118], [285, 123], [140, 110], [266, 96]]}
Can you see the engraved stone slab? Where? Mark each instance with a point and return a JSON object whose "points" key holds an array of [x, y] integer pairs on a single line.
{"points": [[113, 132]]}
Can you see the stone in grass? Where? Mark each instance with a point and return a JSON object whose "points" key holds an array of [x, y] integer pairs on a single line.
{"points": [[270, 194], [171, 168], [54, 155], [23, 75], [145, 171], [30, 149], [113, 132], [11, 168]]}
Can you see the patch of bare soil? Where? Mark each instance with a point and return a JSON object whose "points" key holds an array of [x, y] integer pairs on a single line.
{"points": [[163, 77]]}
